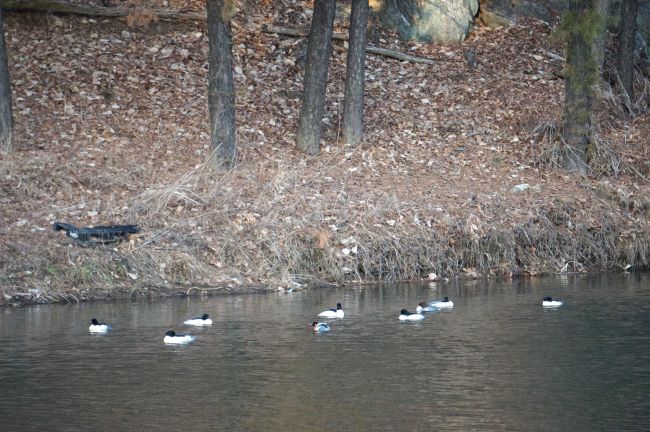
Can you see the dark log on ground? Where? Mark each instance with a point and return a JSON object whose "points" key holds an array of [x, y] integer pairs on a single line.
{"points": [[288, 31], [63, 7]]}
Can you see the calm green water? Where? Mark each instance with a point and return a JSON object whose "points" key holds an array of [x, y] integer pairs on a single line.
{"points": [[497, 361]]}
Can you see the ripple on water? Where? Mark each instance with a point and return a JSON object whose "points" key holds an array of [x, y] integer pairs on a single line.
{"points": [[496, 361]]}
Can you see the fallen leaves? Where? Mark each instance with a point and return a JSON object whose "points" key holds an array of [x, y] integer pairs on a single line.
{"points": [[112, 126]]}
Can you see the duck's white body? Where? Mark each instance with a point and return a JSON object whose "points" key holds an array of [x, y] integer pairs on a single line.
{"points": [[97, 327], [199, 321], [101, 328], [333, 313], [442, 304], [173, 338], [552, 303], [408, 316], [320, 327]]}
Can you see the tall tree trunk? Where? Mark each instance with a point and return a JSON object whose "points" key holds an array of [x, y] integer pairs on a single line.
{"points": [[626, 44], [582, 24], [602, 8], [355, 73], [313, 97], [221, 89], [6, 115]]}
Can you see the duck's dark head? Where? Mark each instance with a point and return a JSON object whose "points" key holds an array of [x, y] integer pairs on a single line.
{"points": [[548, 298], [404, 312], [446, 299], [338, 306], [94, 321], [422, 304], [205, 316], [314, 324], [171, 333]]}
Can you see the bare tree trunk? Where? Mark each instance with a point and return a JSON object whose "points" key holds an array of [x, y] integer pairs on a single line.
{"points": [[313, 97], [6, 115], [626, 44], [221, 90], [602, 8], [355, 73], [581, 74]]}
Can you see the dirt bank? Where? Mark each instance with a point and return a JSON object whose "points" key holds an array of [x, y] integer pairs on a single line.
{"points": [[111, 127]]}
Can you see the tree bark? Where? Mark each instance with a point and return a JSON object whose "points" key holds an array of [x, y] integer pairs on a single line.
{"points": [[65, 7], [221, 89], [6, 114], [313, 97], [602, 7], [355, 73], [581, 74], [626, 45]]}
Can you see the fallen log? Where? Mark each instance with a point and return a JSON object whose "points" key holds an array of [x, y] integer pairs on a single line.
{"points": [[63, 7], [288, 31]]}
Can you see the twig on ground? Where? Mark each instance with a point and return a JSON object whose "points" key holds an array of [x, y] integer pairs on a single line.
{"points": [[288, 31]]}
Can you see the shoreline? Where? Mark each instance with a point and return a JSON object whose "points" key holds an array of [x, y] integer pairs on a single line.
{"points": [[34, 297], [455, 175]]}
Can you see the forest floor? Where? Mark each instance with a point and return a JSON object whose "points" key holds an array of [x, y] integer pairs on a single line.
{"points": [[111, 127]]}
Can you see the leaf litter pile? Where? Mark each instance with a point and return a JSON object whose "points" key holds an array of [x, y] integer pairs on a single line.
{"points": [[453, 177]]}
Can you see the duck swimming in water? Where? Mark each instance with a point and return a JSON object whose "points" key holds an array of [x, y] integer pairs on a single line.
{"points": [[320, 327], [333, 313], [199, 321], [443, 304], [405, 315], [550, 302], [97, 327], [172, 338], [422, 307]]}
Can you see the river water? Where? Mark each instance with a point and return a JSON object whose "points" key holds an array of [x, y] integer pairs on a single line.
{"points": [[497, 361]]}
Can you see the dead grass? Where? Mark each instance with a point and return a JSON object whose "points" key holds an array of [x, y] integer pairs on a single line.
{"points": [[211, 231]]}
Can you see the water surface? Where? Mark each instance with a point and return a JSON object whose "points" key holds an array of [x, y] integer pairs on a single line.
{"points": [[497, 361]]}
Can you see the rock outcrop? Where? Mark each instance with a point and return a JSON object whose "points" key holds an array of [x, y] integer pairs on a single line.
{"points": [[430, 20]]}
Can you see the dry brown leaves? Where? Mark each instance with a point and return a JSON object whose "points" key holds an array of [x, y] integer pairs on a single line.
{"points": [[111, 127]]}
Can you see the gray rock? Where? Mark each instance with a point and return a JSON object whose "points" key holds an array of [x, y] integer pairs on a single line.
{"points": [[430, 20], [496, 13], [520, 188]]}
